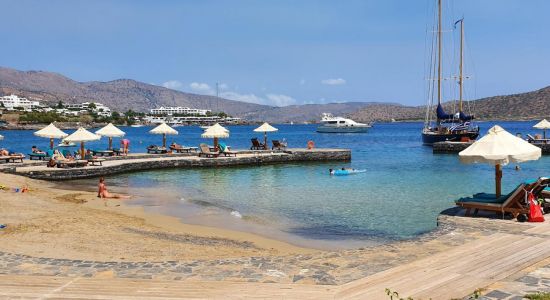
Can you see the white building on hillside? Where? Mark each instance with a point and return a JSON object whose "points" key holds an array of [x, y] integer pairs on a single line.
{"points": [[13, 102], [99, 109], [179, 110]]}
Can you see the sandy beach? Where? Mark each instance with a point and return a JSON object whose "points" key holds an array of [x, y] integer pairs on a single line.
{"points": [[56, 223], [61, 233]]}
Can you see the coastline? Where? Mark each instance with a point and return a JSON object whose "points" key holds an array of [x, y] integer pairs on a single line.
{"points": [[52, 222], [66, 234]]}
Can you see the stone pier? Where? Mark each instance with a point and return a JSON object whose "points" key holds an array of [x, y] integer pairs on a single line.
{"points": [[140, 162], [450, 147], [455, 147]]}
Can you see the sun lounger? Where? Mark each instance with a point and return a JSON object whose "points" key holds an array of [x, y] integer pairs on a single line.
{"points": [[66, 163], [226, 150], [537, 140], [181, 149], [94, 161], [513, 203], [103, 152], [17, 157], [256, 145], [205, 151], [38, 156], [278, 145], [156, 149]]}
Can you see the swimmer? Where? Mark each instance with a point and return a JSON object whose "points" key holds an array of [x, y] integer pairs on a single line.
{"points": [[331, 171]]}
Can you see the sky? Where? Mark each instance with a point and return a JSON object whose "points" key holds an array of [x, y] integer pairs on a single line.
{"points": [[282, 52]]}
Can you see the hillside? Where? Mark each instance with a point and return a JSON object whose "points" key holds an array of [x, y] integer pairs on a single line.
{"points": [[124, 94], [307, 112], [530, 105], [121, 95]]}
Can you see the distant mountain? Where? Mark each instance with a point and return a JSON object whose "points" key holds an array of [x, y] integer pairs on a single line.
{"points": [[124, 94], [530, 105], [308, 112], [121, 95]]}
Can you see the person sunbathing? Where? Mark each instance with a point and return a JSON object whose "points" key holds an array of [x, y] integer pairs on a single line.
{"points": [[37, 151], [104, 193], [4, 152]]}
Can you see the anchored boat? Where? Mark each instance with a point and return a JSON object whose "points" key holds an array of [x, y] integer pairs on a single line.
{"points": [[330, 124], [447, 127]]}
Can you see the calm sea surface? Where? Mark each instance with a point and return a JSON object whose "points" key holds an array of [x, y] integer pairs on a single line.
{"points": [[399, 196]]}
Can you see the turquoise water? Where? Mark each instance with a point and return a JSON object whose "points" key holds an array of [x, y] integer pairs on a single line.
{"points": [[399, 196]]}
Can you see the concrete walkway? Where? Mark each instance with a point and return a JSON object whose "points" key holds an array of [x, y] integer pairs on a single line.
{"points": [[456, 273]]}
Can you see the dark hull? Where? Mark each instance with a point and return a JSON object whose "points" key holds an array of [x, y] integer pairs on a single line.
{"points": [[431, 138]]}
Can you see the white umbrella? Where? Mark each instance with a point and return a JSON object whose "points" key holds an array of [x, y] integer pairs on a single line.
{"points": [[110, 131], [51, 132], [163, 129], [499, 147], [543, 125], [82, 135], [216, 131], [265, 128]]}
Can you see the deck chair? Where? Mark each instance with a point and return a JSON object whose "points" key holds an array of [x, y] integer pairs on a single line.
{"points": [[256, 145], [205, 151], [226, 150], [94, 160], [513, 203], [278, 145], [156, 149]]}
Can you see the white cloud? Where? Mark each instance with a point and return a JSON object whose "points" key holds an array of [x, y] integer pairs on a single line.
{"points": [[333, 81], [202, 88], [223, 86], [280, 100], [269, 99], [173, 84], [242, 97]]}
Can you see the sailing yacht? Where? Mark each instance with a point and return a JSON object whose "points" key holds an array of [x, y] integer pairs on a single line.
{"points": [[448, 127]]}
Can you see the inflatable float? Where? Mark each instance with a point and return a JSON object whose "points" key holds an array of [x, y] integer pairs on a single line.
{"points": [[347, 172]]}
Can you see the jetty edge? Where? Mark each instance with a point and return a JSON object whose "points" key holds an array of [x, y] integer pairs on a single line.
{"points": [[142, 161]]}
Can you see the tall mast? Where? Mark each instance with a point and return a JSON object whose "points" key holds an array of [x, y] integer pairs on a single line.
{"points": [[460, 76], [439, 57]]}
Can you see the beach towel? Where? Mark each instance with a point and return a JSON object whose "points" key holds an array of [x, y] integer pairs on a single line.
{"points": [[535, 212], [222, 146]]}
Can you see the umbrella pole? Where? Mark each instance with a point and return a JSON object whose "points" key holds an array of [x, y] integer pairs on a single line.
{"points": [[51, 143], [498, 178], [110, 143], [82, 150], [215, 144], [164, 140], [265, 140]]}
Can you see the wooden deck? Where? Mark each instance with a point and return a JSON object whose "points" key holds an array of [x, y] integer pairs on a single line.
{"points": [[452, 274]]}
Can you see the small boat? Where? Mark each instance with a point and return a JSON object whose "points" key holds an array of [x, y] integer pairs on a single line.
{"points": [[136, 125], [330, 124], [205, 127]]}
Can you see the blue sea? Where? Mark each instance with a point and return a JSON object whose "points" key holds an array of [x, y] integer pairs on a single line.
{"points": [[398, 197]]}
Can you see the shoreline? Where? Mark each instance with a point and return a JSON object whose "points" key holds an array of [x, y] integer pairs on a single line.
{"points": [[53, 232], [49, 209]]}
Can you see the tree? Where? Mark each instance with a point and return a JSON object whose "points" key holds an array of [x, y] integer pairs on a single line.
{"points": [[92, 106], [60, 104]]}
